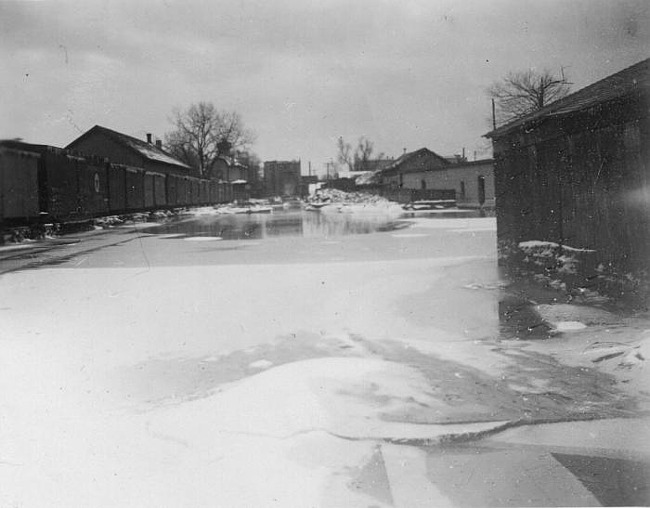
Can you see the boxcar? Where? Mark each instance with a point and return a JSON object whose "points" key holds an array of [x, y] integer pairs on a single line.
{"points": [[204, 193], [134, 189], [149, 200], [18, 184], [92, 175], [116, 188], [172, 189], [59, 184], [159, 194], [194, 191]]}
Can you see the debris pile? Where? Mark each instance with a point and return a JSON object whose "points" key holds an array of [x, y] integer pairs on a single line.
{"points": [[338, 196]]}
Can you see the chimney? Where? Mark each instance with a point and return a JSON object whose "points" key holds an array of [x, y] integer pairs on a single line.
{"points": [[224, 147], [159, 144], [149, 137]]}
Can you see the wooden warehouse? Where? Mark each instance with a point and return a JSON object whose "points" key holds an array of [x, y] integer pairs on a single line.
{"points": [[575, 175]]}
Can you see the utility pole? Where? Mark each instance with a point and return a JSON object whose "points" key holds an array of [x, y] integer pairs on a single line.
{"points": [[494, 116]]}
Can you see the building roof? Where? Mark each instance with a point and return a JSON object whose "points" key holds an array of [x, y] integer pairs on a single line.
{"points": [[394, 165], [627, 82], [17, 144], [231, 161], [146, 150]]}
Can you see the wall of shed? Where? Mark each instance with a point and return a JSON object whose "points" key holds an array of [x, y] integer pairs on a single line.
{"points": [[582, 182]]}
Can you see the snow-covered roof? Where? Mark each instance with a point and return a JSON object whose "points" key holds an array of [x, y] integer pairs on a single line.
{"points": [[231, 161], [147, 150], [154, 153]]}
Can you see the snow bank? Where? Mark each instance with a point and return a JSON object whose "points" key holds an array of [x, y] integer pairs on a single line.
{"points": [[555, 314], [459, 224], [345, 397]]}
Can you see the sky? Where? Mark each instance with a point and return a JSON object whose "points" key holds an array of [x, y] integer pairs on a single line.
{"points": [[405, 74]]}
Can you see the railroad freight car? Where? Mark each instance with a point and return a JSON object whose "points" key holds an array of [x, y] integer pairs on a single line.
{"points": [[93, 189], [159, 194], [40, 182], [117, 188], [19, 199], [195, 192], [134, 189], [149, 200], [59, 184], [204, 192]]}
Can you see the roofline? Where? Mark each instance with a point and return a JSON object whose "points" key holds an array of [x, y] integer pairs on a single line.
{"points": [[112, 133], [405, 156], [541, 114]]}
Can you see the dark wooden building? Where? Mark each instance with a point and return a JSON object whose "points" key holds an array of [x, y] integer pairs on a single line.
{"points": [[282, 178], [124, 149], [576, 174]]}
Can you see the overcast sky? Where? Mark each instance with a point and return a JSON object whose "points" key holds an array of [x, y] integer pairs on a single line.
{"points": [[403, 73]]}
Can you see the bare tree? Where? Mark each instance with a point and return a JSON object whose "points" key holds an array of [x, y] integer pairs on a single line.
{"points": [[357, 159], [521, 93], [202, 133], [345, 154]]}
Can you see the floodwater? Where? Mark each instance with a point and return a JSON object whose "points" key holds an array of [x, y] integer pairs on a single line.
{"points": [[292, 223], [283, 223]]}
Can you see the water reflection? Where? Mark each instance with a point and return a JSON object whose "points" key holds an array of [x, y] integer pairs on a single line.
{"points": [[290, 223]]}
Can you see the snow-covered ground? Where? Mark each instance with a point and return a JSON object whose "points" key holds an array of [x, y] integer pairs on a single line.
{"points": [[161, 372], [77, 417]]}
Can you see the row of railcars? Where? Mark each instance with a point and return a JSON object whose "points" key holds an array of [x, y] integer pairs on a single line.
{"points": [[43, 181]]}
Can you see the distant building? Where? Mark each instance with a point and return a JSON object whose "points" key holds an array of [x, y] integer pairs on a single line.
{"points": [[124, 149], [472, 181], [408, 170], [282, 178], [228, 169], [576, 175]]}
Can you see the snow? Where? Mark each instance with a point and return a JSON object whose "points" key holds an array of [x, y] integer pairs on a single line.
{"points": [[78, 419], [558, 313], [408, 235], [261, 364], [203, 210], [567, 326], [202, 238], [380, 209], [476, 224], [155, 154], [535, 244], [119, 394]]}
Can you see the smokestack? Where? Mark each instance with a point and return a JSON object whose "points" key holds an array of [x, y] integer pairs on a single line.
{"points": [[149, 137], [159, 144]]}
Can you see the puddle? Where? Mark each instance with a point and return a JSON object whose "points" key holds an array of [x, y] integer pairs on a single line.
{"points": [[278, 224], [519, 320]]}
